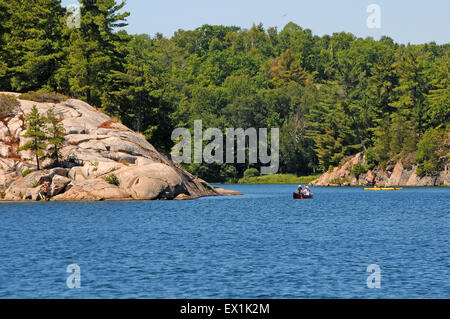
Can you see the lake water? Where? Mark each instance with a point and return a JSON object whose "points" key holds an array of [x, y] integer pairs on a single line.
{"points": [[260, 245]]}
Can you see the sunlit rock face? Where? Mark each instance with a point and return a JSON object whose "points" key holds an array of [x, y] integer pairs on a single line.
{"points": [[396, 174], [96, 147]]}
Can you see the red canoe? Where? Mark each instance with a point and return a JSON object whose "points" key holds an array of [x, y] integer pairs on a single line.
{"points": [[298, 196]]}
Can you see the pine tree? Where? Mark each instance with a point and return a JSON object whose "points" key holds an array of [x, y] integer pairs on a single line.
{"points": [[412, 89], [55, 135], [331, 127], [94, 50], [402, 136], [34, 123], [329, 146], [4, 29], [439, 97], [287, 69], [382, 140], [34, 43], [133, 87], [381, 85]]}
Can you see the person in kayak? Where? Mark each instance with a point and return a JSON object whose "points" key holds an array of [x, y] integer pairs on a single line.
{"points": [[300, 190]]}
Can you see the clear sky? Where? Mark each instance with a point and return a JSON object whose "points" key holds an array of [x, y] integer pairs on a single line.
{"points": [[413, 21]]}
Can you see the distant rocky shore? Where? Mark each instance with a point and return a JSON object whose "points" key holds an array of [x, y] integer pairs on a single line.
{"points": [[97, 147], [398, 174]]}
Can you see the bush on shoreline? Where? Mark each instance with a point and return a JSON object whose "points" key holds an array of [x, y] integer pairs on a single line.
{"points": [[431, 153], [251, 172], [278, 179], [359, 169]]}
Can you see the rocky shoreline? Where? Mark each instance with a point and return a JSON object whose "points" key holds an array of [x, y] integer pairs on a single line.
{"points": [[96, 147], [397, 174]]}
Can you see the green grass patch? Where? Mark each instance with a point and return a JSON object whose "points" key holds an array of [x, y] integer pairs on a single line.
{"points": [[35, 184], [26, 172], [43, 97], [278, 179]]}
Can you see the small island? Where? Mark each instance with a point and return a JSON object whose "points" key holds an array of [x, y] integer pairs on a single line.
{"points": [[84, 155]]}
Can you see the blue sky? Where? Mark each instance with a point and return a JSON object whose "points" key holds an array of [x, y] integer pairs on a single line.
{"points": [[406, 21]]}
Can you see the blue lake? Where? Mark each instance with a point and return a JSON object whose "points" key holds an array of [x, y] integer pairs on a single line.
{"points": [[260, 245]]}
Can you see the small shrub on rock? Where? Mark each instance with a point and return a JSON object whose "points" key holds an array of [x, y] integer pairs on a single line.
{"points": [[26, 172], [359, 169], [8, 103], [112, 179]]}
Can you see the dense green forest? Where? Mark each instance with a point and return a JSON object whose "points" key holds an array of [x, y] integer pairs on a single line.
{"points": [[331, 96]]}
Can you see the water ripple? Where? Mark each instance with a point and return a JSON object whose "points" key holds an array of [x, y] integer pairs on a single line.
{"points": [[260, 245]]}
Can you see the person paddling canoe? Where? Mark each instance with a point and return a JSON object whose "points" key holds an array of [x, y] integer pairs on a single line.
{"points": [[307, 191], [302, 194]]}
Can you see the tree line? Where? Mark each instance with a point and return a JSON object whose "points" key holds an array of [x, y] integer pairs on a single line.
{"points": [[332, 96]]}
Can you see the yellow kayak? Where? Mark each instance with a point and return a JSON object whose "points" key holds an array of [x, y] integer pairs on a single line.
{"points": [[384, 189]]}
